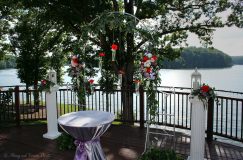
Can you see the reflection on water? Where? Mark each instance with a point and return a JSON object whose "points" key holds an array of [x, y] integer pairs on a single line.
{"points": [[223, 79], [8, 77]]}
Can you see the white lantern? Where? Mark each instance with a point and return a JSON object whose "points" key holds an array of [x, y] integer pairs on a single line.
{"points": [[52, 76], [195, 80]]}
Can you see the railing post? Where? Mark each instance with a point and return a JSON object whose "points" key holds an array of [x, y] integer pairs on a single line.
{"points": [[141, 95], [210, 120], [16, 95]]}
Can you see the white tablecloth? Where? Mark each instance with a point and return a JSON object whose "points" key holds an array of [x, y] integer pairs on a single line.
{"points": [[87, 127]]}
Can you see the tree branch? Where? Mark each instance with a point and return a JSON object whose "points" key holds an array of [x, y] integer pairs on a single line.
{"points": [[115, 5], [175, 30], [78, 31]]}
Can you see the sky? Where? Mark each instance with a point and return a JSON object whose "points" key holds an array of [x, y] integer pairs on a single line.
{"points": [[228, 40]]}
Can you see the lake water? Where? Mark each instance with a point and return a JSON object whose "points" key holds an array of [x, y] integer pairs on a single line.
{"points": [[223, 79], [230, 79]]}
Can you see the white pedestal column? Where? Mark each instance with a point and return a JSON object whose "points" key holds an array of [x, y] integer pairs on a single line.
{"points": [[197, 129], [52, 130]]}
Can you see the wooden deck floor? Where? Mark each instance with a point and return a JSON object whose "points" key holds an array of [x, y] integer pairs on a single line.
{"points": [[119, 143]]}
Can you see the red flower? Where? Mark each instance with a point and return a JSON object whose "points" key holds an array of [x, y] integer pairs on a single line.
{"points": [[114, 47], [148, 70], [154, 57], [75, 59], [205, 88], [43, 82], [145, 58], [91, 81], [101, 54]]}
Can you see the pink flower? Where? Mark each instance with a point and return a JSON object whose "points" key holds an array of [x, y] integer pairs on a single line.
{"points": [[43, 82], [114, 47], [91, 81], [101, 54], [74, 61]]}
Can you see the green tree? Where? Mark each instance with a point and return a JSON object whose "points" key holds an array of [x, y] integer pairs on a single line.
{"points": [[192, 57], [8, 61], [167, 24], [6, 17], [32, 41]]}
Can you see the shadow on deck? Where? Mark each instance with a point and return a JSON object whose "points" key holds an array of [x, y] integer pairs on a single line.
{"points": [[119, 143]]}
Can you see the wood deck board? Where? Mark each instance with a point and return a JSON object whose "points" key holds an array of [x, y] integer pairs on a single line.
{"points": [[119, 143]]}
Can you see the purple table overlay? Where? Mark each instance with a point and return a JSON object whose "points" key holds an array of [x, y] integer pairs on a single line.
{"points": [[87, 127]]}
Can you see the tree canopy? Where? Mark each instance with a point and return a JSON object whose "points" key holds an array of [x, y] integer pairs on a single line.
{"points": [[160, 26]]}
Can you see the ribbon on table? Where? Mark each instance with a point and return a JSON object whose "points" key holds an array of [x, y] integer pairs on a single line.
{"points": [[81, 152]]}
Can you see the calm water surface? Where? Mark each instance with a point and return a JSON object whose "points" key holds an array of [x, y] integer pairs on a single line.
{"points": [[225, 79]]}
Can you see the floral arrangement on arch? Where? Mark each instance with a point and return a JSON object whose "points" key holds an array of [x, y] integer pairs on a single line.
{"points": [[46, 85], [149, 68], [204, 93], [150, 78], [81, 85]]}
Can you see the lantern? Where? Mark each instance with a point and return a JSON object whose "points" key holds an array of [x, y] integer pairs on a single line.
{"points": [[195, 80], [52, 76]]}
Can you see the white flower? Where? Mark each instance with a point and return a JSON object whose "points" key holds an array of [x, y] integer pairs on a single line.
{"points": [[149, 55], [147, 63], [83, 64]]}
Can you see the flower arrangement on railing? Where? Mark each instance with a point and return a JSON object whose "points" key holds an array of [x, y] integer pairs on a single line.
{"points": [[46, 85], [204, 93]]}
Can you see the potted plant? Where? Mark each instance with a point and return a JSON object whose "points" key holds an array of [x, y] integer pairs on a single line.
{"points": [[159, 154]]}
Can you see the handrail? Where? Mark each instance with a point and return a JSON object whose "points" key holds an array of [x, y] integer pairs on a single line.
{"points": [[227, 120], [180, 88]]}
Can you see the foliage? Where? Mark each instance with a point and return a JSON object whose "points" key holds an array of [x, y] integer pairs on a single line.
{"points": [[65, 142], [46, 85], [5, 98], [192, 57], [56, 62], [26, 39], [237, 59], [158, 154], [163, 27], [8, 61]]}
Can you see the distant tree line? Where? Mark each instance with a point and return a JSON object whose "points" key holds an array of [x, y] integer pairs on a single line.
{"points": [[192, 57], [237, 59], [8, 61]]}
